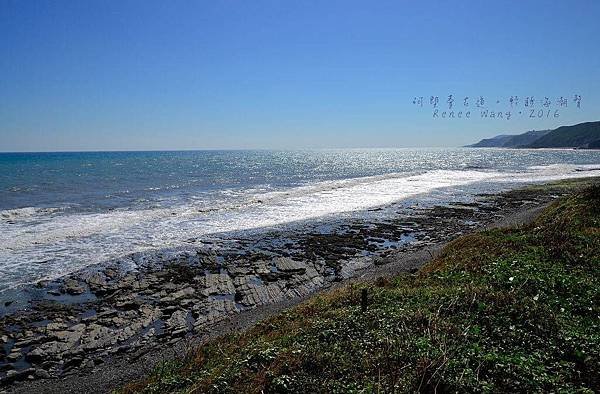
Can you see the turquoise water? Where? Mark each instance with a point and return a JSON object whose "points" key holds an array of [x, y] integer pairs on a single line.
{"points": [[62, 211]]}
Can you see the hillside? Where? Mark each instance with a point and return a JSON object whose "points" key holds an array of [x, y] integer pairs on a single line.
{"points": [[494, 142], [503, 310], [577, 136], [583, 135], [525, 139], [510, 141]]}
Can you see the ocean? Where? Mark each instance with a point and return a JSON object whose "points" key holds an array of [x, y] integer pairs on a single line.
{"points": [[60, 212]]}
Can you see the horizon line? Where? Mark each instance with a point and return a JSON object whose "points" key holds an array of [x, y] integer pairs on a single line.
{"points": [[227, 149]]}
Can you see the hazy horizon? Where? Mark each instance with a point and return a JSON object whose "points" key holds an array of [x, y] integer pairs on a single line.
{"points": [[199, 149]]}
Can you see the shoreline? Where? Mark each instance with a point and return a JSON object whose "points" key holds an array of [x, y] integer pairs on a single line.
{"points": [[194, 297]]}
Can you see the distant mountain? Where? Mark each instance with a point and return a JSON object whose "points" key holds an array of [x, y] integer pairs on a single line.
{"points": [[578, 136], [583, 135], [494, 142], [510, 141], [525, 139]]}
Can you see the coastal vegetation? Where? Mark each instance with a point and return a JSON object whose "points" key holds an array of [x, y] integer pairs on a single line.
{"points": [[501, 310]]}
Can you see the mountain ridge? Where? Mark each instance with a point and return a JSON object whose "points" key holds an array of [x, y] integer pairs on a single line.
{"points": [[582, 136]]}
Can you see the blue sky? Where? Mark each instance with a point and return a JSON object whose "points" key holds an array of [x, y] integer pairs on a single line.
{"points": [[123, 75]]}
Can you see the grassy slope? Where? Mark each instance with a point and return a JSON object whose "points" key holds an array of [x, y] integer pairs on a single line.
{"points": [[501, 310]]}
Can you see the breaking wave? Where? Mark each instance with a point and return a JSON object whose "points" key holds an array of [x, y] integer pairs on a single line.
{"points": [[69, 241]]}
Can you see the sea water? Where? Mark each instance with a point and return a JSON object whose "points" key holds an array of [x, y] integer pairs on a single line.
{"points": [[60, 212]]}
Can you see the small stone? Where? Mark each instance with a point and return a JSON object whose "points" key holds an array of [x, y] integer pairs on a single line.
{"points": [[128, 304], [88, 364], [14, 355], [73, 287], [97, 281], [36, 355], [110, 273], [178, 320], [18, 375], [56, 326], [42, 373]]}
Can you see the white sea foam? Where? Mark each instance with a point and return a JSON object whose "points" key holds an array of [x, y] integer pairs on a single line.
{"points": [[66, 242], [27, 212]]}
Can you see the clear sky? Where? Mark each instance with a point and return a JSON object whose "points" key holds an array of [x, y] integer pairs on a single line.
{"points": [[126, 75]]}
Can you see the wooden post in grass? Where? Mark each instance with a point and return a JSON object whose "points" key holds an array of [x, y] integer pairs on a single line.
{"points": [[363, 300]]}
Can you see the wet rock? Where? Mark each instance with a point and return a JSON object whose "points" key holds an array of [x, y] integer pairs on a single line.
{"points": [[14, 375], [14, 355], [178, 320], [41, 373], [72, 335], [106, 314], [28, 340], [97, 337], [97, 283], [128, 303], [288, 265], [169, 286], [239, 270], [251, 292], [41, 284], [126, 282], [167, 298], [72, 363], [212, 311], [73, 287], [56, 326], [217, 284], [262, 268], [37, 355], [88, 364], [149, 314], [110, 273]]}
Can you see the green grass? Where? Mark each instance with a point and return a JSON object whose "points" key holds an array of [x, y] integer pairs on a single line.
{"points": [[505, 310]]}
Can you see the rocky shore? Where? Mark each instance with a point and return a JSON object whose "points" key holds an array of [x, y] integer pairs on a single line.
{"points": [[70, 330]]}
